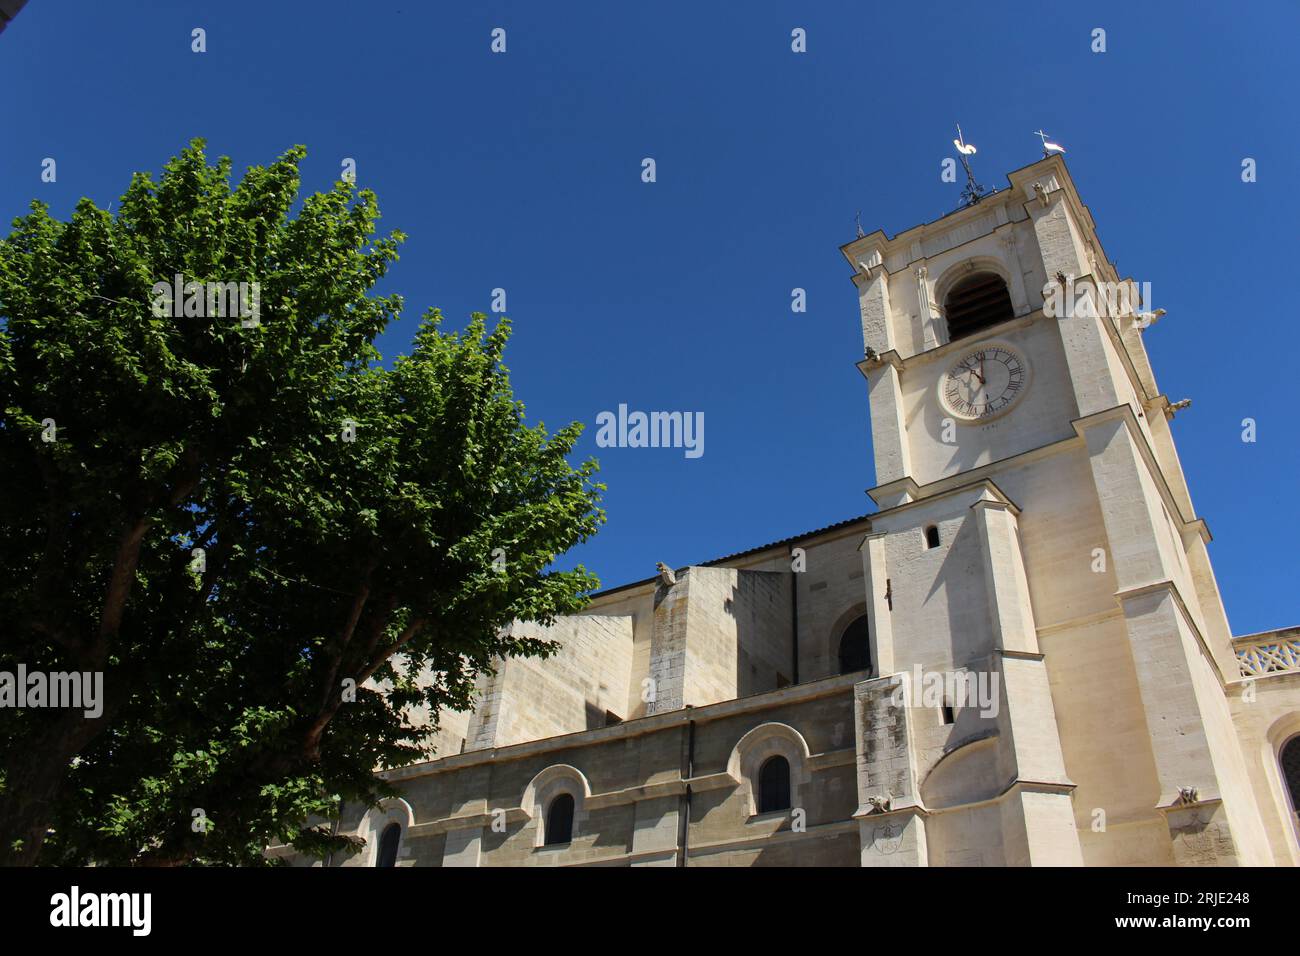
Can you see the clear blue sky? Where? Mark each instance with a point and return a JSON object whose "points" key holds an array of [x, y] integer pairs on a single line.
{"points": [[522, 171]]}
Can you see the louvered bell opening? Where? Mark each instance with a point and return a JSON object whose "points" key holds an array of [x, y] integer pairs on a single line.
{"points": [[976, 303]]}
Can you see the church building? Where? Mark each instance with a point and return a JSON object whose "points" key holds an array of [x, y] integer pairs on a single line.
{"points": [[1019, 658]]}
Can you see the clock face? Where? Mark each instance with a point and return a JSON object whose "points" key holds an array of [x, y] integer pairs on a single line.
{"points": [[984, 383]]}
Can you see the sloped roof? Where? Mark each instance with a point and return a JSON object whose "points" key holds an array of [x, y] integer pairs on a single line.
{"points": [[742, 554], [8, 10]]}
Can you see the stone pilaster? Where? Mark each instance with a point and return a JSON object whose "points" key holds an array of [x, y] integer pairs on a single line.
{"points": [[1088, 350], [1012, 617], [1016, 287], [1192, 741], [891, 820], [654, 832], [873, 303], [1039, 813], [875, 577], [464, 847], [888, 426]]}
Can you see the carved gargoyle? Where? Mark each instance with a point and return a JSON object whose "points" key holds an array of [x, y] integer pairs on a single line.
{"points": [[879, 804], [1187, 795]]}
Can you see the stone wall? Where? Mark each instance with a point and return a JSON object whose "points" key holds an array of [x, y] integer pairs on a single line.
{"points": [[529, 698], [720, 633]]}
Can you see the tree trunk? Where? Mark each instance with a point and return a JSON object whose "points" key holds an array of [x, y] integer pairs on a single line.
{"points": [[34, 780]]}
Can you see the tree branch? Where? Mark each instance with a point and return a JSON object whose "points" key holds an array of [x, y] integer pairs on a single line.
{"points": [[312, 738], [119, 586]]}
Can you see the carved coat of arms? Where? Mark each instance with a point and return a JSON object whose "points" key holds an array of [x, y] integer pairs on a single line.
{"points": [[886, 839]]}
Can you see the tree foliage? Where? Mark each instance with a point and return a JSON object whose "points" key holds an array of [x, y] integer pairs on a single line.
{"points": [[347, 516]]}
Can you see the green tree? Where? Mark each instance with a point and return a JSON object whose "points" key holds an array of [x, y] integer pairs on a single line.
{"points": [[238, 522]]}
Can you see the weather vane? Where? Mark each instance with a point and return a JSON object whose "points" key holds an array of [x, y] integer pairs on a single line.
{"points": [[1048, 147], [973, 192]]}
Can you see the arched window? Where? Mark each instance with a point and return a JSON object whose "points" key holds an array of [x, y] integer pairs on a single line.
{"points": [[388, 842], [559, 820], [774, 785], [976, 302], [932, 536], [855, 647], [1289, 761]]}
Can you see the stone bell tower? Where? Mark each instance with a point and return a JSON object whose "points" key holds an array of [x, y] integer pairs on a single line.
{"points": [[1035, 531]]}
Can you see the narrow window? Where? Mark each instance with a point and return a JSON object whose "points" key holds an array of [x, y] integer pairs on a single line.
{"points": [[932, 536], [559, 820], [1289, 760], [774, 785], [855, 647], [388, 842], [947, 713]]}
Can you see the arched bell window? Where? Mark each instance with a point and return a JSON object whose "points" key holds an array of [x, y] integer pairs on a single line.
{"points": [[975, 303], [559, 820], [388, 844], [774, 785], [855, 647]]}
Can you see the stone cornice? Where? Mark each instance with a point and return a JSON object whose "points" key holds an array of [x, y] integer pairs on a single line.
{"points": [[911, 809], [845, 756], [918, 359], [1013, 195], [995, 504], [466, 821], [886, 245], [943, 488], [767, 839], [1083, 620], [1122, 412], [795, 693], [1016, 785], [1037, 656], [887, 357]]}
